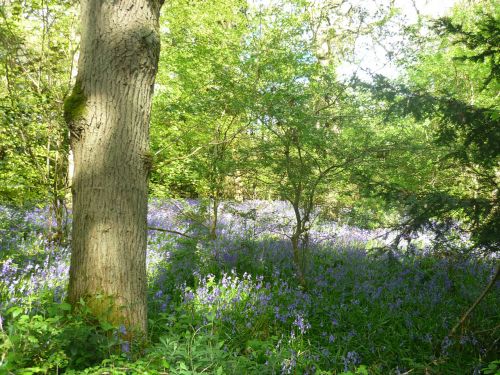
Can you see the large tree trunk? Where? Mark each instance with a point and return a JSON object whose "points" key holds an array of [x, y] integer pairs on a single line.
{"points": [[108, 115]]}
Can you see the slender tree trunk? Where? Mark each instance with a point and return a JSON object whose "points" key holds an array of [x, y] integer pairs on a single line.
{"points": [[59, 187], [108, 115], [297, 256], [215, 217], [215, 203]]}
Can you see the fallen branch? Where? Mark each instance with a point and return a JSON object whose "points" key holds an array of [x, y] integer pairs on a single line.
{"points": [[171, 231], [479, 299]]}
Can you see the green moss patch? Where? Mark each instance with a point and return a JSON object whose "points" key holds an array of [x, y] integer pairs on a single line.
{"points": [[75, 104]]}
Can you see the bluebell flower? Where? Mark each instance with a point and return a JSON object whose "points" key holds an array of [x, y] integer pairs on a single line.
{"points": [[125, 347], [159, 294], [302, 324], [351, 359], [122, 329]]}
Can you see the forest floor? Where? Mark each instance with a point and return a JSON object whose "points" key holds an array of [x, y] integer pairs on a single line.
{"points": [[233, 306]]}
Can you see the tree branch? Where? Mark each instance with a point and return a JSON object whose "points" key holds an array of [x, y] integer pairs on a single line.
{"points": [[171, 231], [462, 320]]}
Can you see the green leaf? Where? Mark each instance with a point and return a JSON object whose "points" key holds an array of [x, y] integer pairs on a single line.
{"points": [[106, 326], [15, 311], [211, 316], [165, 363], [65, 306]]}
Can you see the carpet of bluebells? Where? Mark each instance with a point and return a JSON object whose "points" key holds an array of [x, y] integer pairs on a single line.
{"points": [[232, 305]]}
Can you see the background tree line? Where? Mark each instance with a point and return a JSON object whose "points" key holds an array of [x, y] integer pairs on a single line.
{"points": [[248, 106]]}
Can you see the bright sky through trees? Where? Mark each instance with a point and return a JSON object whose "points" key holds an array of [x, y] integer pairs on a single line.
{"points": [[372, 57]]}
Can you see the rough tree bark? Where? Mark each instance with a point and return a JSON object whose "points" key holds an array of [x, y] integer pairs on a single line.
{"points": [[108, 115]]}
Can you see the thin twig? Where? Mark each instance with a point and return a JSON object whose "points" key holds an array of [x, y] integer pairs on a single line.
{"points": [[171, 231], [488, 330], [479, 299]]}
